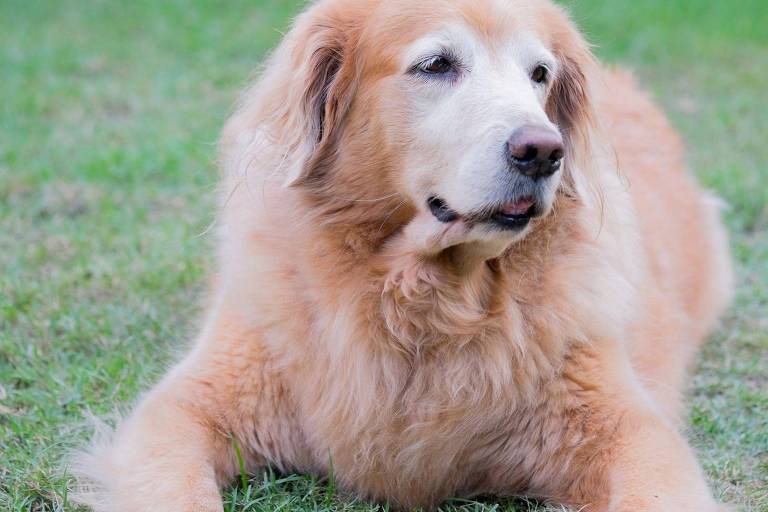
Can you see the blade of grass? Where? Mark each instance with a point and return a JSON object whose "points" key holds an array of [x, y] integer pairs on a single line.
{"points": [[240, 462]]}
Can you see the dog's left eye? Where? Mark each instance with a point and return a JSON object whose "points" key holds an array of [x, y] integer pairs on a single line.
{"points": [[437, 65], [540, 74]]}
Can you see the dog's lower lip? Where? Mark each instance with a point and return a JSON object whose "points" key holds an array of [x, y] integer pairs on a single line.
{"points": [[511, 221], [515, 215]]}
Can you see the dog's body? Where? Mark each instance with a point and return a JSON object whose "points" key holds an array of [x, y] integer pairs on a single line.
{"points": [[435, 358]]}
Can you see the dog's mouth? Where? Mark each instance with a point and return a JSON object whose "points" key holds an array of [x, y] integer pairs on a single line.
{"points": [[514, 215]]}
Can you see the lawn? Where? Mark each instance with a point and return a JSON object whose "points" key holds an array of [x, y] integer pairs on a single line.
{"points": [[109, 115]]}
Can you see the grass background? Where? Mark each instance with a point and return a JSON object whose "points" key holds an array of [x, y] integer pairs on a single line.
{"points": [[109, 113]]}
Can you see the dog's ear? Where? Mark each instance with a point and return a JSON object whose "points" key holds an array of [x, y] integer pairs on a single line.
{"points": [[322, 85], [569, 103], [570, 100], [570, 106]]}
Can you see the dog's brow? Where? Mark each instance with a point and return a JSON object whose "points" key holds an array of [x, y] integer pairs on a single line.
{"points": [[527, 49], [454, 37]]}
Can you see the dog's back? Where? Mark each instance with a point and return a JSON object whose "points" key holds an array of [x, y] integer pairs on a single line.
{"points": [[682, 236]]}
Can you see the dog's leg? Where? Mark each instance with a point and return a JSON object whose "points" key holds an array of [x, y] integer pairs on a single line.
{"points": [[166, 456], [636, 460], [655, 469], [176, 449]]}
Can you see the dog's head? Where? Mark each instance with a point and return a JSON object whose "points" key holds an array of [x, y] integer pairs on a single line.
{"points": [[472, 109]]}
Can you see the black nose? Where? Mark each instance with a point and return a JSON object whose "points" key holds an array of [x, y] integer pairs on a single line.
{"points": [[536, 151]]}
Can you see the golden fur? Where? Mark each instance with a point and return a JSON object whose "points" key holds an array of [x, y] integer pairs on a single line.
{"points": [[551, 369]]}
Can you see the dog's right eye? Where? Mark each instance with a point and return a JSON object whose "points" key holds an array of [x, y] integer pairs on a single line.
{"points": [[438, 65]]}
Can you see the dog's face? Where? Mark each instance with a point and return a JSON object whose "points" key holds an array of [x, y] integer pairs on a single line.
{"points": [[466, 109], [470, 109]]}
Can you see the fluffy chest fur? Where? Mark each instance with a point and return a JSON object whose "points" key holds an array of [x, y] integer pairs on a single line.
{"points": [[402, 368]]}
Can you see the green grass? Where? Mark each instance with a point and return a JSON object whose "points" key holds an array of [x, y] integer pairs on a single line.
{"points": [[109, 113]]}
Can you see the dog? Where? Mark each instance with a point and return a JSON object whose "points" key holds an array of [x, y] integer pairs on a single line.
{"points": [[457, 257]]}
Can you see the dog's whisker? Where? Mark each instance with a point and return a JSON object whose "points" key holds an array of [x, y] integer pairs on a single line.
{"points": [[389, 196], [391, 213]]}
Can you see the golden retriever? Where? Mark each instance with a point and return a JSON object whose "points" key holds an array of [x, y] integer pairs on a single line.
{"points": [[457, 257]]}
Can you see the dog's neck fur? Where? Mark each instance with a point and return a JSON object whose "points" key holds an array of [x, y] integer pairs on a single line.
{"points": [[430, 305]]}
